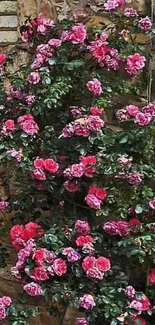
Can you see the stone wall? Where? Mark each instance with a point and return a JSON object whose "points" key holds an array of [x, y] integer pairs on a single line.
{"points": [[13, 14]]}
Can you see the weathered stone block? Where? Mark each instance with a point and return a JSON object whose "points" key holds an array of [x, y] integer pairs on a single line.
{"points": [[8, 21], [9, 37], [8, 7]]}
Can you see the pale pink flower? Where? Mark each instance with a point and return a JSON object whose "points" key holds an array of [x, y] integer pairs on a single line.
{"points": [[130, 12], [130, 292], [34, 78], [87, 301], [33, 289], [93, 201], [143, 119], [145, 23], [135, 63]]}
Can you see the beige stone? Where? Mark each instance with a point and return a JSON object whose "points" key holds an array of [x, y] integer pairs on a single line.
{"points": [[8, 7], [139, 5], [10, 37], [8, 21]]}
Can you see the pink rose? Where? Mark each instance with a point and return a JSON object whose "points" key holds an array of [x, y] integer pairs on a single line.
{"points": [[132, 110], [78, 34], [142, 119], [51, 165], [59, 266], [34, 78], [33, 289], [10, 125], [94, 86], [88, 263], [103, 263], [39, 273]]}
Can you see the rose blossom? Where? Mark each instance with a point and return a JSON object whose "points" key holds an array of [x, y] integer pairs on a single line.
{"points": [[77, 170], [95, 111], [87, 160], [94, 123], [38, 163], [78, 34], [145, 23], [103, 263], [75, 111], [39, 273], [59, 266], [130, 292], [134, 178], [81, 240], [51, 165], [88, 249], [140, 305], [39, 174], [142, 119], [132, 110], [2, 312], [93, 201], [54, 42], [71, 187], [135, 63], [68, 131], [130, 12], [113, 4], [2, 58], [94, 86], [81, 321], [30, 99], [34, 78], [152, 204], [95, 273], [88, 263], [16, 154], [152, 276], [72, 255], [87, 301], [82, 227], [4, 205], [33, 289], [100, 193]]}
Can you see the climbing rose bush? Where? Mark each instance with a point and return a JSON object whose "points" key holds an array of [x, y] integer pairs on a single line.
{"points": [[81, 153]]}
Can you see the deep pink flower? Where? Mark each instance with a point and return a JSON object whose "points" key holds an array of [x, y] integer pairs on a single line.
{"points": [[94, 123], [94, 86], [134, 178], [59, 266], [34, 78], [77, 170], [145, 23], [132, 110], [30, 127], [82, 240], [130, 12], [135, 63], [72, 255], [130, 292], [24, 118], [152, 204], [78, 34], [30, 99], [100, 193], [81, 321], [87, 301], [87, 160], [71, 187], [88, 263], [54, 42], [95, 273], [68, 131], [82, 227], [93, 201], [51, 165], [40, 273], [95, 111], [10, 125], [142, 119], [4, 205], [2, 58], [33, 289], [152, 276], [2, 312], [38, 163], [103, 263], [6, 301], [39, 174], [81, 130]]}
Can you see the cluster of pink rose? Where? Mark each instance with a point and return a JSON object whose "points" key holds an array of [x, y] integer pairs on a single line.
{"points": [[122, 228], [84, 168], [5, 302], [41, 165], [85, 124], [25, 122], [44, 52], [48, 264], [40, 25], [95, 196], [141, 116], [113, 4]]}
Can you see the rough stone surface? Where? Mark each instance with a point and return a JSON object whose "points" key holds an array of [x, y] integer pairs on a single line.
{"points": [[8, 37], [8, 7], [8, 21]]}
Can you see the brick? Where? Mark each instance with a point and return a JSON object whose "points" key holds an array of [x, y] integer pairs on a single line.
{"points": [[8, 7], [8, 21], [8, 37]]}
